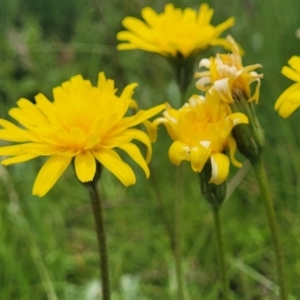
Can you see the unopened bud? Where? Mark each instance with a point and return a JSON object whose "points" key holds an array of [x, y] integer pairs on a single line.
{"points": [[213, 194], [249, 138]]}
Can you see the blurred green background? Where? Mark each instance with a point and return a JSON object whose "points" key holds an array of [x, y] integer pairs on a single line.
{"points": [[48, 248]]}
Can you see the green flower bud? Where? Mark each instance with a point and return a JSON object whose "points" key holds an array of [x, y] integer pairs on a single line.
{"points": [[249, 138], [213, 194]]}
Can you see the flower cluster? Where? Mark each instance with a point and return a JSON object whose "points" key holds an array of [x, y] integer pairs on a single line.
{"points": [[84, 123], [230, 81], [200, 131]]}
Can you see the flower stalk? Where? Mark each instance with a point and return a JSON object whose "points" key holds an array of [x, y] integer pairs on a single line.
{"points": [[215, 196], [183, 71], [96, 203], [221, 252], [269, 207], [178, 235]]}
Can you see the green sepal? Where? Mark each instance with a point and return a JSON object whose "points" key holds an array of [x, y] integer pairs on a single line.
{"points": [[213, 194]]}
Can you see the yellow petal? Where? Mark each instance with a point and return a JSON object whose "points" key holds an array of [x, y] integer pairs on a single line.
{"points": [[290, 73], [39, 149], [113, 162], [18, 159], [125, 99], [43, 104], [294, 62], [143, 138], [143, 115], [85, 166], [101, 80], [220, 168], [12, 133], [115, 140], [294, 73], [232, 151], [151, 130], [138, 27], [48, 175], [135, 42], [288, 107], [133, 104], [205, 14], [204, 62], [150, 16], [223, 26], [222, 90], [199, 156], [11, 150], [293, 88], [221, 42], [178, 152], [255, 95], [204, 83], [27, 114], [134, 152], [288, 101], [140, 117], [172, 128], [238, 118]]}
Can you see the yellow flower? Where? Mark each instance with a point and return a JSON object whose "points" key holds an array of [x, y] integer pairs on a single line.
{"points": [[173, 32], [201, 130], [83, 123], [289, 100], [227, 77]]}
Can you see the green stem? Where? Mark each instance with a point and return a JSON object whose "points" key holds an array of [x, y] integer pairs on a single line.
{"points": [[100, 230], [162, 209], [269, 207], [177, 235], [183, 71], [221, 253]]}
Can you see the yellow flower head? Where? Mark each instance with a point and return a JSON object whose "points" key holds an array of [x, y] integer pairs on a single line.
{"points": [[201, 130], [173, 32], [83, 123], [227, 77], [289, 100]]}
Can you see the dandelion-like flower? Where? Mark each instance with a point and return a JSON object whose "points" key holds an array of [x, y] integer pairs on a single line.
{"points": [[289, 100], [84, 123], [227, 77], [175, 32], [200, 131]]}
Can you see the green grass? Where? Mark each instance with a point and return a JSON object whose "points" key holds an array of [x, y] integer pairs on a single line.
{"points": [[48, 246]]}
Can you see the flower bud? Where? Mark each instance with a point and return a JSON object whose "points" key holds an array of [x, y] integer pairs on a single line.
{"points": [[213, 194], [249, 138]]}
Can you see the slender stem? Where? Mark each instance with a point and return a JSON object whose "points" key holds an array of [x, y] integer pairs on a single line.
{"points": [[269, 207], [98, 217], [162, 209], [221, 253], [177, 234]]}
